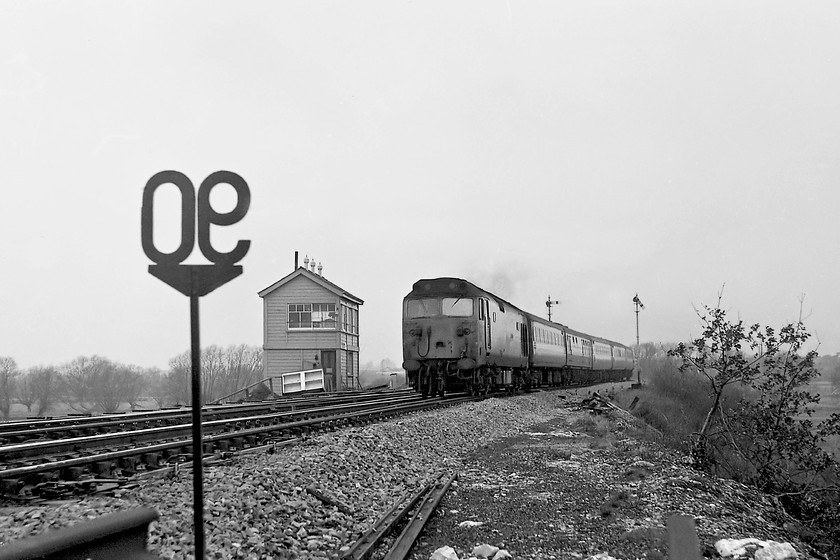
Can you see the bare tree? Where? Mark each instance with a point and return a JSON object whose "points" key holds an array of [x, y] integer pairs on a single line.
{"points": [[8, 378], [79, 381], [98, 383], [132, 383], [156, 388], [178, 379], [244, 367], [223, 371], [24, 392], [43, 384]]}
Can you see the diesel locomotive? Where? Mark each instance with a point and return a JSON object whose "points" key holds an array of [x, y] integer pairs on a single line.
{"points": [[460, 337]]}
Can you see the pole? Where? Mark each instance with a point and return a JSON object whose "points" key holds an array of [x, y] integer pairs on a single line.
{"points": [[638, 346], [549, 303], [198, 447], [637, 329], [195, 281]]}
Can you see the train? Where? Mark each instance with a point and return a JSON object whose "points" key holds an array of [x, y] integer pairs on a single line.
{"points": [[459, 337]]}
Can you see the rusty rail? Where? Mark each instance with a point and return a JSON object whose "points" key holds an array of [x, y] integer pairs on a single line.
{"points": [[431, 494], [118, 535]]}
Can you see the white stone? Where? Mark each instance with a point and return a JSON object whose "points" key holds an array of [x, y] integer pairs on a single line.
{"points": [[502, 555], [760, 550], [444, 553], [470, 524], [777, 551], [485, 550]]}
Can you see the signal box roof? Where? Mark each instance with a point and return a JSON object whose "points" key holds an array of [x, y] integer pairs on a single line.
{"points": [[318, 279]]}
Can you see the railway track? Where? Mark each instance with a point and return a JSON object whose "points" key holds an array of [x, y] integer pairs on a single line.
{"points": [[75, 426], [68, 465], [416, 509]]}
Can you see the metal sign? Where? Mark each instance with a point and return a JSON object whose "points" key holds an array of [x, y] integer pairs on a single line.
{"points": [[195, 281]]}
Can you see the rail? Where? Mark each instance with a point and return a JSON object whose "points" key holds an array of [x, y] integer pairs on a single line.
{"points": [[429, 498], [118, 535]]}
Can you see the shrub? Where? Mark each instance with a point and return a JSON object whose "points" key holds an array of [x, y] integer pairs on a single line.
{"points": [[767, 438]]}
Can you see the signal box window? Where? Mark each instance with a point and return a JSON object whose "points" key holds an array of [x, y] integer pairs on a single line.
{"points": [[312, 316], [350, 320]]}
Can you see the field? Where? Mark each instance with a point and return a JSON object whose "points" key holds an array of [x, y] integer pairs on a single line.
{"points": [[19, 412], [368, 380]]}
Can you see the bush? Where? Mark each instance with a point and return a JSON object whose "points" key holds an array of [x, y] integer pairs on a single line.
{"points": [[676, 402], [766, 438]]}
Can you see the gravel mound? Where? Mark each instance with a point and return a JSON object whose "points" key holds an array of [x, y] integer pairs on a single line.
{"points": [[538, 478], [266, 505]]}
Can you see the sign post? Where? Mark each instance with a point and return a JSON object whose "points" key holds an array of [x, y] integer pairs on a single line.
{"points": [[195, 281]]}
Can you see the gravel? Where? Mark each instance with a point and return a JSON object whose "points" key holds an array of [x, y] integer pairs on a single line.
{"points": [[537, 478], [259, 507]]}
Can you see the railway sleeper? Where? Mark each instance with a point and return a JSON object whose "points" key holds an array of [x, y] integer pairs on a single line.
{"points": [[177, 459], [11, 486], [128, 465], [151, 460], [103, 469], [73, 473]]}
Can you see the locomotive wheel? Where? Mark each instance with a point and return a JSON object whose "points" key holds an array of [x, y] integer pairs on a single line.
{"points": [[425, 383]]}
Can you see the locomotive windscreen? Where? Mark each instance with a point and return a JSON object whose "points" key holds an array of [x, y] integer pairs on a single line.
{"points": [[433, 307]]}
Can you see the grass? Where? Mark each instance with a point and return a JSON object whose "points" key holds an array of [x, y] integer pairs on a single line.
{"points": [[600, 428], [673, 402], [676, 403]]}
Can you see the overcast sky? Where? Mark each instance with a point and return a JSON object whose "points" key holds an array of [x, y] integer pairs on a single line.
{"points": [[586, 150]]}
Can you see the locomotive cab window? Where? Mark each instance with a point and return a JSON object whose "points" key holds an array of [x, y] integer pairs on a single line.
{"points": [[457, 307], [427, 307]]}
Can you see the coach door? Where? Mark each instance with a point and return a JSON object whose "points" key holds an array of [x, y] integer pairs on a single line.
{"points": [[523, 335], [484, 313]]}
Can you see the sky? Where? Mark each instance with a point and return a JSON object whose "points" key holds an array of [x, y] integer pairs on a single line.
{"points": [[588, 151]]}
